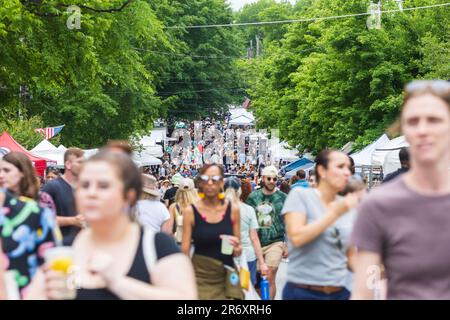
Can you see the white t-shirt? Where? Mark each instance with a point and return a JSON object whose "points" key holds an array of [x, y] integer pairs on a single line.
{"points": [[152, 214], [248, 222]]}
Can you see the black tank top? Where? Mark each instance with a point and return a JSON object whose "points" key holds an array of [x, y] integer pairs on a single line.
{"points": [[137, 271], [206, 236]]}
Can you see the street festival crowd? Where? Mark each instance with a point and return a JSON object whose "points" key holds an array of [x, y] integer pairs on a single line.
{"points": [[215, 223]]}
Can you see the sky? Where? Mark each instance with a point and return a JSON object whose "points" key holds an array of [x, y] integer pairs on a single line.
{"points": [[238, 4]]}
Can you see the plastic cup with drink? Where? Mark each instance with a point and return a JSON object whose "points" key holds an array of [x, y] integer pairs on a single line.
{"points": [[227, 248], [60, 259]]}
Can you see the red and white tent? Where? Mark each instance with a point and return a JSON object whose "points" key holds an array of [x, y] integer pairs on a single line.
{"points": [[8, 144]]}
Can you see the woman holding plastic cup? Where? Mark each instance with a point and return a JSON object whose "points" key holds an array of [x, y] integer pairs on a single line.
{"points": [[115, 258], [213, 224]]}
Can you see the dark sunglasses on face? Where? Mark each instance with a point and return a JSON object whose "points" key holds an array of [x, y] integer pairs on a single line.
{"points": [[215, 179], [272, 179]]}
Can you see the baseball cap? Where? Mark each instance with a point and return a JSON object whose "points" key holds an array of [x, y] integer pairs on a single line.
{"points": [[186, 184], [270, 171], [176, 179]]}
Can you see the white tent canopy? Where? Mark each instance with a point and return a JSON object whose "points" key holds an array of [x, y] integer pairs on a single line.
{"points": [[47, 150], [61, 147], [242, 120], [146, 159], [281, 151], [364, 157], [380, 153], [44, 145]]}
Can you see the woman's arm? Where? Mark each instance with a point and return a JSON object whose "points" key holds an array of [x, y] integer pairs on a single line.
{"points": [[167, 225], [236, 217], [368, 275], [188, 224], [301, 233]]}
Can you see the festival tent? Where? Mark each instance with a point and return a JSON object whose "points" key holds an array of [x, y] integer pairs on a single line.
{"points": [[145, 159], [307, 167], [364, 157], [47, 150], [281, 151], [44, 145], [61, 147], [242, 120], [8, 144], [380, 153], [296, 165]]}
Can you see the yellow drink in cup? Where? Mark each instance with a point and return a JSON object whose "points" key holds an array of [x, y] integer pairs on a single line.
{"points": [[61, 259]]}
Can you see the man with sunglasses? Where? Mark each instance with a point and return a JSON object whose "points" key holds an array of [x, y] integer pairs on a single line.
{"points": [[268, 203]]}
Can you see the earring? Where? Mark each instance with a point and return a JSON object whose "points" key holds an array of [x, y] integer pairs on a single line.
{"points": [[221, 196], [201, 195]]}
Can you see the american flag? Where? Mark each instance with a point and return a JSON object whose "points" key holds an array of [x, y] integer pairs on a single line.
{"points": [[246, 103], [50, 132]]}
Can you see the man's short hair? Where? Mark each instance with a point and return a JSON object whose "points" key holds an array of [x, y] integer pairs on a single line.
{"points": [[122, 145], [76, 152], [301, 174]]}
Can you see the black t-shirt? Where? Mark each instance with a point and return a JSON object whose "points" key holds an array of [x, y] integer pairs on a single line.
{"points": [[164, 246], [170, 195], [62, 195]]}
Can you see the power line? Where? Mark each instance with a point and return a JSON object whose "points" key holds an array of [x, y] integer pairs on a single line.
{"points": [[189, 55], [243, 24]]}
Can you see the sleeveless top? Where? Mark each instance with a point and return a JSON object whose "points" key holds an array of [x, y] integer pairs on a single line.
{"points": [[206, 236], [164, 246]]}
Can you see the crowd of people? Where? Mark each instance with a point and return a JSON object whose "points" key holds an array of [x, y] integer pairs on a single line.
{"points": [[186, 232]]}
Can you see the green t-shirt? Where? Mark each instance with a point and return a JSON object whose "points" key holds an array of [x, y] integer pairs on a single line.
{"points": [[268, 211]]}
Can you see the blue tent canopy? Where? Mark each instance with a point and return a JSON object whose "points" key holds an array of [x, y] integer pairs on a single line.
{"points": [[296, 164]]}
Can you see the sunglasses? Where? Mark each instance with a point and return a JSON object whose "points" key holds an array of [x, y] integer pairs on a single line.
{"points": [[206, 179], [439, 86], [335, 234], [272, 179]]}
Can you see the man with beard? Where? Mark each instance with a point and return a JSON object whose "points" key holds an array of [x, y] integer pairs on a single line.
{"points": [[268, 203]]}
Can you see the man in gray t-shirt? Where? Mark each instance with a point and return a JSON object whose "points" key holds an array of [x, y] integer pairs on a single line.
{"points": [[410, 232]]}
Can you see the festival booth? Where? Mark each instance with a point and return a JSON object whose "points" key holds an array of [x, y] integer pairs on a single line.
{"points": [[49, 151], [387, 154], [241, 117], [364, 157], [8, 144], [290, 170], [281, 152], [145, 159]]}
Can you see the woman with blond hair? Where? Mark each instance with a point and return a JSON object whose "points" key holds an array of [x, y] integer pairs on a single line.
{"points": [[186, 195], [251, 246]]}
